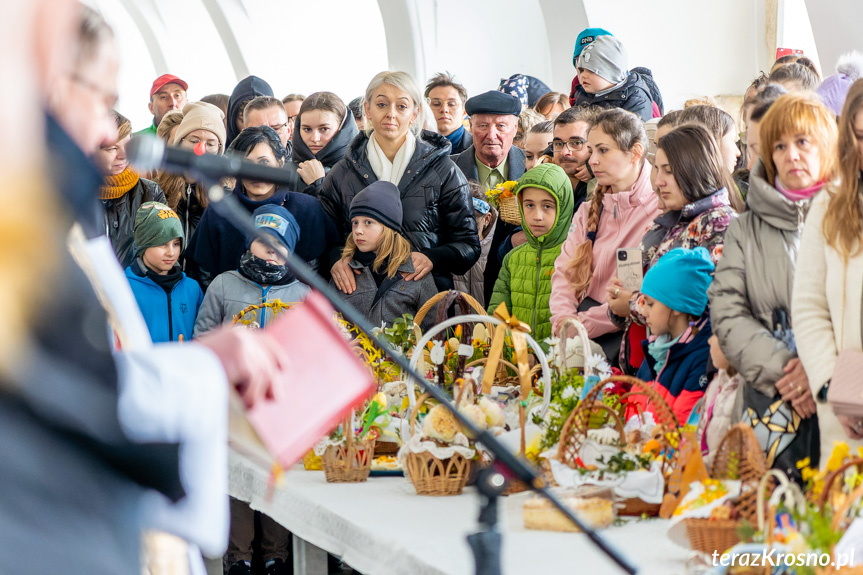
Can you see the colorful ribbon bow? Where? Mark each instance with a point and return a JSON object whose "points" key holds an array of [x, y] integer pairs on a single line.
{"points": [[518, 329]]}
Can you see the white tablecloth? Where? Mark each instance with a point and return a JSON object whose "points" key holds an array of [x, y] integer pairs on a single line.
{"points": [[381, 527]]}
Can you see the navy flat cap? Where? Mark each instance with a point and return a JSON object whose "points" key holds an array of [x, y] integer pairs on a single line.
{"points": [[493, 102]]}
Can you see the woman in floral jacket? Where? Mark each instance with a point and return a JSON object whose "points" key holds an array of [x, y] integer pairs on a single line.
{"points": [[693, 186]]}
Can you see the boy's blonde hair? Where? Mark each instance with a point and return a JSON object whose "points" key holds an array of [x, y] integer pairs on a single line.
{"points": [[394, 250]]}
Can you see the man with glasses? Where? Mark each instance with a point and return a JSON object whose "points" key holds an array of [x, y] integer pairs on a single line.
{"points": [[569, 145], [447, 98], [269, 111], [168, 93], [292, 103]]}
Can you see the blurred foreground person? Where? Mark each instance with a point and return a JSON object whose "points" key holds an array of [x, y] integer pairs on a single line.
{"points": [[97, 447]]}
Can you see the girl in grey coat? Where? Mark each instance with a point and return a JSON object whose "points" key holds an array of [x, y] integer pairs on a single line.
{"points": [[381, 258]]}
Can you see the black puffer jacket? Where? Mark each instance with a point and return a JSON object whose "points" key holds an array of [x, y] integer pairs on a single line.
{"points": [[438, 217], [329, 155], [634, 96], [120, 217]]}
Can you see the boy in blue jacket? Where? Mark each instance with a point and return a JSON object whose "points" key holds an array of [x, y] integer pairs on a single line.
{"points": [[169, 301]]}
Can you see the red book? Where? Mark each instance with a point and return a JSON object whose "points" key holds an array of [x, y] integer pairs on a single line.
{"points": [[324, 381]]}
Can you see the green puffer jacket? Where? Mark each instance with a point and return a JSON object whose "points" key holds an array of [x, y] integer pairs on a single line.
{"points": [[524, 283]]}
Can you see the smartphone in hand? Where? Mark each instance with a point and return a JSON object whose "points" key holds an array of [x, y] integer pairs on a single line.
{"points": [[629, 270]]}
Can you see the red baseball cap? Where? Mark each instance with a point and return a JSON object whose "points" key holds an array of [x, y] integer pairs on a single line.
{"points": [[166, 79]]}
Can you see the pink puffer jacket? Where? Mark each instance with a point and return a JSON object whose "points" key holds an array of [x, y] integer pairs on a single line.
{"points": [[626, 216]]}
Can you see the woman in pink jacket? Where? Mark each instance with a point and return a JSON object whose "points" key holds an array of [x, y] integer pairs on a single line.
{"points": [[622, 209]]}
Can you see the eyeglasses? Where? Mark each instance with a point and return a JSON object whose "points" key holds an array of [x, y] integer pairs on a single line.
{"points": [[437, 103], [213, 147], [109, 98], [291, 119], [280, 128], [574, 145]]}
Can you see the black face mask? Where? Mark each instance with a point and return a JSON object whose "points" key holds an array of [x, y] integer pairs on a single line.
{"points": [[262, 272]]}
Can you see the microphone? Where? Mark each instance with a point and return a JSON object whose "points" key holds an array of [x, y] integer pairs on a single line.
{"points": [[148, 153]]}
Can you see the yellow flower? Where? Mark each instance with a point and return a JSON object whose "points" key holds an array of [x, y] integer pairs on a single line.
{"points": [[840, 452], [381, 399], [533, 447]]}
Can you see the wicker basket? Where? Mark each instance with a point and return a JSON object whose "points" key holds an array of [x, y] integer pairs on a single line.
{"points": [[351, 461], [709, 535], [508, 209], [739, 456], [430, 475], [832, 488], [574, 433], [840, 514], [386, 448]]}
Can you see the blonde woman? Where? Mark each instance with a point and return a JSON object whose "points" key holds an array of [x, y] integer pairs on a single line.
{"points": [[828, 293], [438, 216]]}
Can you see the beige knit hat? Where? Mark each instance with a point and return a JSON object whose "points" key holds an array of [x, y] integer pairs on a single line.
{"points": [[201, 116]]}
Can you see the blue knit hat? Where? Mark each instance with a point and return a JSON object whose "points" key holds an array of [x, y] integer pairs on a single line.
{"points": [[680, 280], [278, 222], [587, 36]]}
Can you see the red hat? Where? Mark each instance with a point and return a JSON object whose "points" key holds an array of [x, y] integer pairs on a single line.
{"points": [[166, 79]]}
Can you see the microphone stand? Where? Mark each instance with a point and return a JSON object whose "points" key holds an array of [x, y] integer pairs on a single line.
{"points": [[486, 544]]}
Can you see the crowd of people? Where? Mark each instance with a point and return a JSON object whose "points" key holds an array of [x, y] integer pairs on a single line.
{"points": [[748, 231]]}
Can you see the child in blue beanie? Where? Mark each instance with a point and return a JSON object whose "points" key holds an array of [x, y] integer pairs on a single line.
{"points": [[677, 350], [260, 278]]}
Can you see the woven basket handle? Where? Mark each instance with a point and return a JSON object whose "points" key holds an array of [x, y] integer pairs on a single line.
{"points": [[828, 483], [840, 513], [435, 299], [787, 491], [348, 427], [585, 342], [415, 411], [618, 423], [579, 422]]}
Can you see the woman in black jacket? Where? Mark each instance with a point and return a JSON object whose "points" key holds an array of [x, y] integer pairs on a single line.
{"points": [[438, 217], [323, 130]]}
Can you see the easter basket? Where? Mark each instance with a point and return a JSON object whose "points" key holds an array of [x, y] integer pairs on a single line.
{"points": [[434, 467], [504, 200], [841, 513], [502, 324], [739, 457], [576, 431], [349, 461]]}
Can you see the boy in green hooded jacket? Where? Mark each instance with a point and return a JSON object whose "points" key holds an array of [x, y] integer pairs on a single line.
{"points": [[545, 200]]}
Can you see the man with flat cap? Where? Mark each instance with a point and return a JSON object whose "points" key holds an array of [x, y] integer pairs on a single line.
{"points": [[492, 160]]}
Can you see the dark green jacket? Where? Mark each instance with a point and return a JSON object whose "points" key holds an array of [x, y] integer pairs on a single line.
{"points": [[524, 283]]}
